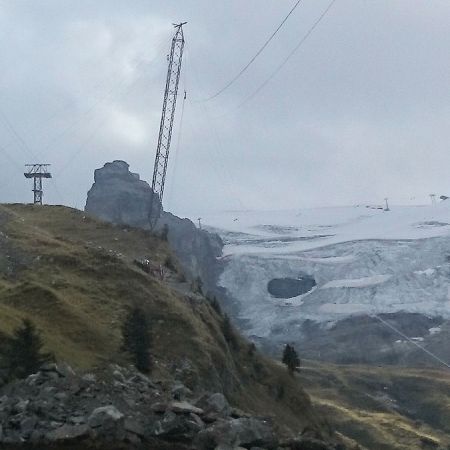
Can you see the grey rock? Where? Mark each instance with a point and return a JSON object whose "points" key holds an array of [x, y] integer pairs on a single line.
{"points": [[120, 197], [27, 425], [68, 433], [291, 287], [104, 415], [215, 404], [133, 426], [20, 406], [180, 392], [176, 427], [184, 408], [248, 432]]}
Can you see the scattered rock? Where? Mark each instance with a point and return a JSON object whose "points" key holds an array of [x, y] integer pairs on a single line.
{"points": [[68, 433], [184, 408], [105, 415], [249, 432]]}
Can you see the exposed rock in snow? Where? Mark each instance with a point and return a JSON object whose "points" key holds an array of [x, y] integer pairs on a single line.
{"points": [[290, 287]]}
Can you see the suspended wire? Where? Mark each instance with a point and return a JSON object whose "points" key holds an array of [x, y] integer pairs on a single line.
{"points": [[114, 91], [392, 327], [286, 60], [17, 136], [252, 60], [218, 148], [82, 145]]}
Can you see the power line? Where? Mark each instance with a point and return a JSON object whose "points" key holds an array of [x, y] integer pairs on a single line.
{"points": [[252, 60], [17, 136], [218, 147], [288, 57], [410, 340]]}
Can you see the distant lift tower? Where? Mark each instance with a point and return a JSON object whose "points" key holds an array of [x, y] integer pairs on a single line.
{"points": [[37, 172], [165, 130]]}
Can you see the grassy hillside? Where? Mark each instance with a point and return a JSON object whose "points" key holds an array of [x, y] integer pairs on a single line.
{"points": [[383, 407], [74, 277]]}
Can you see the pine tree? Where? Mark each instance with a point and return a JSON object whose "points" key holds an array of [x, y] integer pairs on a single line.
{"points": [[24, 354], [290, 358], [136, 339]]}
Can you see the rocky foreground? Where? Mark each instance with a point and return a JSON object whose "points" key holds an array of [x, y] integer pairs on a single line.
{"points": [[119, 408]]}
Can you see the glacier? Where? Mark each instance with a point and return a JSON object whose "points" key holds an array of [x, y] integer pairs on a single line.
{"points": [[365, 261]]}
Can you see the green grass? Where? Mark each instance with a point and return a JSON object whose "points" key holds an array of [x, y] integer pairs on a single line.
{"points": [[354, 400], [74, 276]]}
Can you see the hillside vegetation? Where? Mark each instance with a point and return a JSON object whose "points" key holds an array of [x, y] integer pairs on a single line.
{"points": [[75, 277], [383, 408]]}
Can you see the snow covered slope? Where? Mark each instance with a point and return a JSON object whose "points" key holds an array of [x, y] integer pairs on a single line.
{"points": [[363, 259]]}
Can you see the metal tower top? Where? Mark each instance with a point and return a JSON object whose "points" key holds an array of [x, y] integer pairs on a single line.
{"points": [[37, 172], [166, 125]]}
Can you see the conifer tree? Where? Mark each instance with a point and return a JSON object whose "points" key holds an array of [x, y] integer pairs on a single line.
{"points": [[290, 358], [136, 339], [229, 333], [165, 232], [24, 354]]}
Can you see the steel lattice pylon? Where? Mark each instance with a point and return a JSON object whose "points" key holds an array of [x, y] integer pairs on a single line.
{"points": [[37, 172], [165, 129]]}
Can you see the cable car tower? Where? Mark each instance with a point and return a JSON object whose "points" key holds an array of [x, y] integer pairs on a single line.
{"points": [[165, 130], [37, 172]]}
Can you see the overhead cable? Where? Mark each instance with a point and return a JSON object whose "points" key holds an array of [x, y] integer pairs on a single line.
{"points": [[288, 57], [411, 340], [252, 60]]}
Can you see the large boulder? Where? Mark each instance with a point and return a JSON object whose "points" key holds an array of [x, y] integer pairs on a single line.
{"points": [[121, 197], [245, 432]]}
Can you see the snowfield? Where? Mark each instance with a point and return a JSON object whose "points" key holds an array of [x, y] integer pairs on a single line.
{"points": [[364, 260]]}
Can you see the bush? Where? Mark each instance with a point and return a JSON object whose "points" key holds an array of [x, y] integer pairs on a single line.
{"points": [[228, 333], [290, 359], [169, 264], [23, 353], [165, 233], [216, 306], [136, 339], [197, 286], [251, 349]]}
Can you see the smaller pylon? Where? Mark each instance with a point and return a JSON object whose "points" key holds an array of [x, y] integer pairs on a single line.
{"points": [[37, 172], [387, 204], [433, 199]]}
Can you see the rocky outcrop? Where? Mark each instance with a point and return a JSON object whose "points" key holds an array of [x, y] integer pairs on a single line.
{"points": [[121, 197], [119, 408], [290, 287]]}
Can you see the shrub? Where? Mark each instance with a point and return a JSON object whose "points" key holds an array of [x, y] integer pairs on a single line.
{"points": [[170, 264], [165, 233], [290, 359], [228, 332], [197, 286], [23, 353], [216, 306]]}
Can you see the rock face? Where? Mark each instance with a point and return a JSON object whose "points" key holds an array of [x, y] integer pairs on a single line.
{"points": [[118, 408], [121, 197], [290, 287]]}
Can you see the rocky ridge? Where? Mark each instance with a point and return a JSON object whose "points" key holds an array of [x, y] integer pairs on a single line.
{"points": [[121, 197], [120, 408]]}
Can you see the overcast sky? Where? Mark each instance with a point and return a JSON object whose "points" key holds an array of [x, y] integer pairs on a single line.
{"points": [[360, 112]]}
